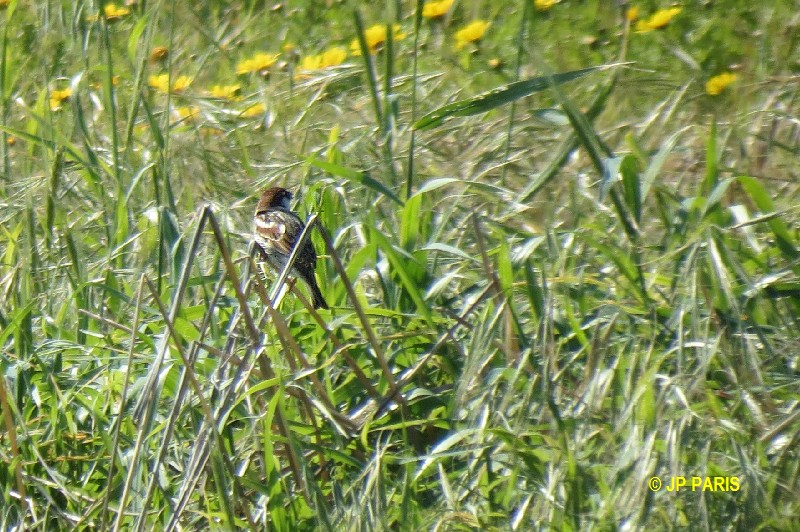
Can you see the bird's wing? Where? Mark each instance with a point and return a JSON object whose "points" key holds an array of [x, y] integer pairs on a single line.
{"points": [[279, 229]]}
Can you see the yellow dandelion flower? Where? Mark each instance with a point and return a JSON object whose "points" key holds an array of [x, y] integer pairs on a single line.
{"points": [[438, 9], [113, 12], [181, 83], [160, 82], [659, 20], [333, 56], [471, 33], [632, 14], [4, 3], [311, 62], [330, 57], [257, 109], [258, 64], [11, 140], [375, 37], [225, 92], [716, 84], [58, 97], [544, 5]]}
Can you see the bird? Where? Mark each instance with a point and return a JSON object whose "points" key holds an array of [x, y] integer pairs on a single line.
{"points": [[276, 231]]}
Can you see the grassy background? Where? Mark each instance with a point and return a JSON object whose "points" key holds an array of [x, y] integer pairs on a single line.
{"points": [[536, 308]]}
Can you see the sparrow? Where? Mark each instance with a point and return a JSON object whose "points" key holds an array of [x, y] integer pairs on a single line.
{"points": [[277, 229]]}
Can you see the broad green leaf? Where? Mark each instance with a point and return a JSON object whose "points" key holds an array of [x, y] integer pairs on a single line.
{"points": [[505, 272], [186, 329], [653, 170], [500, 96], [135, 37], [446, 248], [629, 170], [535, 292], [716, 195], [562, 154], [399, 266], [357, 176], [646, 406], [763, 201], [369, 69], [410, 222], [624, 264], [712, 169], [433, 184], [16, 319], [778, 290]]}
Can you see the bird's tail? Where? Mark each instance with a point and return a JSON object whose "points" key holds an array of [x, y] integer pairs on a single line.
{"points": [[316, 296]]}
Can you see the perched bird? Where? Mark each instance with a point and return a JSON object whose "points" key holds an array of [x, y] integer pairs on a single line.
{"points": [[277, 229]]}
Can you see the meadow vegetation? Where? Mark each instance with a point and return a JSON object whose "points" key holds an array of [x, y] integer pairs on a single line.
{"points": [[560, 240]]}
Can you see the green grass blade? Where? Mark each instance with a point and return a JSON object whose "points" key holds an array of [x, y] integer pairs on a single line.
{"points": [[763, 201], [712, 161], [500, 96], [362, 178], [653, 170], [631, 185], [414, 82], [369, 69], [400, 267], [563, 152]]}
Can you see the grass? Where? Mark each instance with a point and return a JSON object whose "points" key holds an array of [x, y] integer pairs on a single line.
{"points": [[548, 284]]}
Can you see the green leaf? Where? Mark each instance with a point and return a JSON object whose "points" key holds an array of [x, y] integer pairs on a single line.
{"points": [[400, 267], [505, 272], [716, 195], [70, 149], [500, 96], [629, 170], [369, 68], [779, 290], [410, 223], [186, 329], [535, 292], [624, 263], [446, 248], [652, 171], [761, 198], [562, 154], [15, 320], [135, 37], [121, 222], [646, 406], [359, 177], [712, 168], [433, 184]]}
